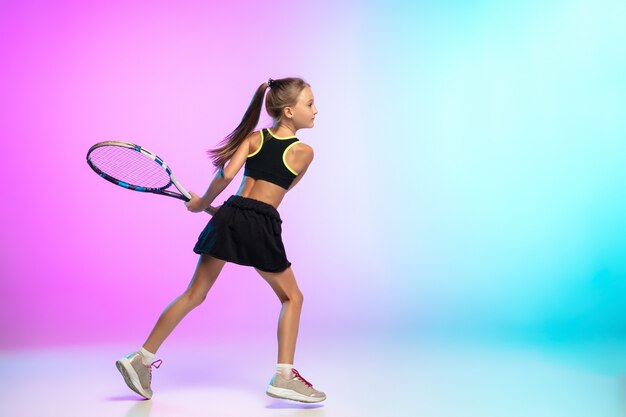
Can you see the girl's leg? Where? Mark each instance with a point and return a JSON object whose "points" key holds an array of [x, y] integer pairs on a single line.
{"points": [[286, 288], [207, 271], [136, 368], [287, 383]]}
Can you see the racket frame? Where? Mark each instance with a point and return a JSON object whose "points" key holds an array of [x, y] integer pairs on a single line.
{"points": [[184, 194]]}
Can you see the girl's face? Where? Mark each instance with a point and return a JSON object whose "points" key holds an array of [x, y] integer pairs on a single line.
{"points": [[303, 113]]}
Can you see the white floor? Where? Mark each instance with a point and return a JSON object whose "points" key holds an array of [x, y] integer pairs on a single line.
{"points": [[361, 380]]}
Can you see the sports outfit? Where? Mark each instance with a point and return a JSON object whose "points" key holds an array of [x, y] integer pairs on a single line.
{"points": [[247, 231]]}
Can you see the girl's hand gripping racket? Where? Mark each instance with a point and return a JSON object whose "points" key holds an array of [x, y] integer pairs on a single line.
{"points": [[135, 168]]}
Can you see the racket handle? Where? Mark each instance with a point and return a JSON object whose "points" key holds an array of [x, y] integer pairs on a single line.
{"points": [[180, 188], [186, 193]]}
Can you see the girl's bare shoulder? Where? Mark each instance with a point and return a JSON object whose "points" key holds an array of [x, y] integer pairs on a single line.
{"points": [[305, 150], [253, 140]]}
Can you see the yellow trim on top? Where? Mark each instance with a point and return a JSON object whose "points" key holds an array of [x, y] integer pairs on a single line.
{"points": [[260, 145], [285, 160], [278, 137]]}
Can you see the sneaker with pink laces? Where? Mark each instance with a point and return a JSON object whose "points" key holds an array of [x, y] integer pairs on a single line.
{"points": [[137, 375], [294, 387]]}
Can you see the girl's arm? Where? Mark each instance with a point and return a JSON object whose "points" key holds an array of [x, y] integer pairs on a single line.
{"points": [[221, 179]]}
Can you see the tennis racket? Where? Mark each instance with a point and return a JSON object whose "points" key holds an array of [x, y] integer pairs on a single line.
{"points": [[132, 167]]}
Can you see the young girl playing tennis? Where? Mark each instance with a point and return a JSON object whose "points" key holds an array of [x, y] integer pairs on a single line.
{"points": [[246, 230]]}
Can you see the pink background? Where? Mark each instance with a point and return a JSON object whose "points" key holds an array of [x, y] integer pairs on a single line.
{"points": [[84, 261]]}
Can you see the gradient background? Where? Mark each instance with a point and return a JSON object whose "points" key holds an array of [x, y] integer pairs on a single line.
{"points": [[468, 178]]}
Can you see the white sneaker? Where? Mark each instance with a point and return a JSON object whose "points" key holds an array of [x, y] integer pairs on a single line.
{"points": [[137, 375], [294, 387]]}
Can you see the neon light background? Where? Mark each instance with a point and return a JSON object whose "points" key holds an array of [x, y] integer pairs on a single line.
{"points": [[468, 177]]}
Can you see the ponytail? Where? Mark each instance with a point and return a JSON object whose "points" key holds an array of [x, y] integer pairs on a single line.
{"points": [[230, 143], [284, 92]]}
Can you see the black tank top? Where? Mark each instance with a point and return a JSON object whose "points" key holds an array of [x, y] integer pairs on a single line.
{"points": [[268, 162]]}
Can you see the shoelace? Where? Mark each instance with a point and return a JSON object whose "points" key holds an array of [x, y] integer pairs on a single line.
{"points": [[297, 375], [153, 364]]}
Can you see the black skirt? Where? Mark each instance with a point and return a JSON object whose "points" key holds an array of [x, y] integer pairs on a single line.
{"points": [[246, 232]]}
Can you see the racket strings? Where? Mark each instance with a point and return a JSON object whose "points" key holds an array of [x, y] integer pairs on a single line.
{"points": [[133, 170], [130, 166]]}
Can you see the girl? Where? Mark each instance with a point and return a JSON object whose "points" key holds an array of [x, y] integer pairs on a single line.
{"points": [[246, 230]]}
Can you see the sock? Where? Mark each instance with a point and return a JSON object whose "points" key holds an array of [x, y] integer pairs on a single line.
{"points": [[284, 369], [147, 357]]}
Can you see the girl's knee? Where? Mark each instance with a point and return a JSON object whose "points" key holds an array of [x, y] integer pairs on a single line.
{"points": [[298, 297], [194, 298], [295, 297]]}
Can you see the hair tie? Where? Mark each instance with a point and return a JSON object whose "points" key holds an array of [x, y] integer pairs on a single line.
{"points": [[270, 83]]}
